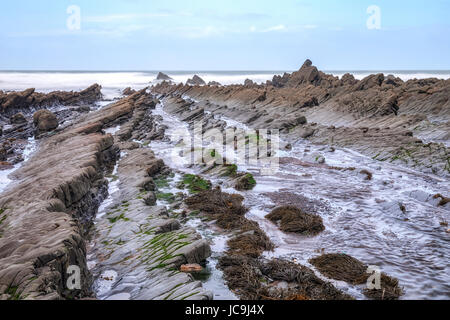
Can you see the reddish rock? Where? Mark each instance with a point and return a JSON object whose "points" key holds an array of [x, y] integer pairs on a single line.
{"points": [[191, 268]]}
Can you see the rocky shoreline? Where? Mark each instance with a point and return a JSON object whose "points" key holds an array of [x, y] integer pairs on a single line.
{"points": [[406, 123], [95, 194], [45, 232]]}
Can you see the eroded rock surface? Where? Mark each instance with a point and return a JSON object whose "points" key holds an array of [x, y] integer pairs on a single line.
{"points": [[44, 232], [407, 123]]}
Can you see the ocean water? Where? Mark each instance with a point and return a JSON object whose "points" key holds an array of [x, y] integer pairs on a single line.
{"points": [[113, 82]]}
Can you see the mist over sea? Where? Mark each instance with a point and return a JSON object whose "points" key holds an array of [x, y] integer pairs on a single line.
{"points": [[113, 82]]}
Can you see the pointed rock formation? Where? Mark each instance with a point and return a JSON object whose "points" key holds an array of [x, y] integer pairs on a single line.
{"points": [[196, 81], [163, 77]]}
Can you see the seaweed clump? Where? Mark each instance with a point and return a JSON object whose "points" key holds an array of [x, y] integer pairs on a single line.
{"points": [[246, 182], [255, 279], [195, 184], [216, 202], [343, 267], [293, 219], [229, 213]]}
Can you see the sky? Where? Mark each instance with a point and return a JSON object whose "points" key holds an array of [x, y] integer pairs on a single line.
{"points": [[224, 34]]}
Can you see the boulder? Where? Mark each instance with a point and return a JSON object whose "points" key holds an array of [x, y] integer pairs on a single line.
{"points": [[18, 118], [45, 121], [196, 81]]}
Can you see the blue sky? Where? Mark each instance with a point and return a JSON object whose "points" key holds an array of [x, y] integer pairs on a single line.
{"points": [[224, 35]]}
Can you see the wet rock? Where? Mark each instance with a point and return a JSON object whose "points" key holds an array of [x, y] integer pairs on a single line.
{"points": [[66, 175], [245, 182], [3, 154], [188, 268], [293, 219], [442, 200], [195, 252], [315, 157], [196, 81], [155, 167], [151, 199], [367, 173], [18, 118], [306, 133], [45, 121]]}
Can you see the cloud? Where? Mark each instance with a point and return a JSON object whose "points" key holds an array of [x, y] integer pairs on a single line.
{"points": [[122, 17], [280, 27], [133, 16]]}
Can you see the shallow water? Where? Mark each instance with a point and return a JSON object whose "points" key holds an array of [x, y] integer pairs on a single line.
{"points": [[28, 151], [363, 218]]}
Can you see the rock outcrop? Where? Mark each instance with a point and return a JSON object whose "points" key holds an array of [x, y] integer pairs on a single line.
{"points": [[28, 99], [196, 81], [163, 77], [128, 91], [44, 233], [380, 116]]}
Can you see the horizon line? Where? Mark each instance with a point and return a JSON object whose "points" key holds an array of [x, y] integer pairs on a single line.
{"points": [[206, 71]]}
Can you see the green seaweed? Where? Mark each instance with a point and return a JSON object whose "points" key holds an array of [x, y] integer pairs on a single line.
{"points": [[14, 295], [168, 197], [230, 171], [194, 183], [117, 218]]}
